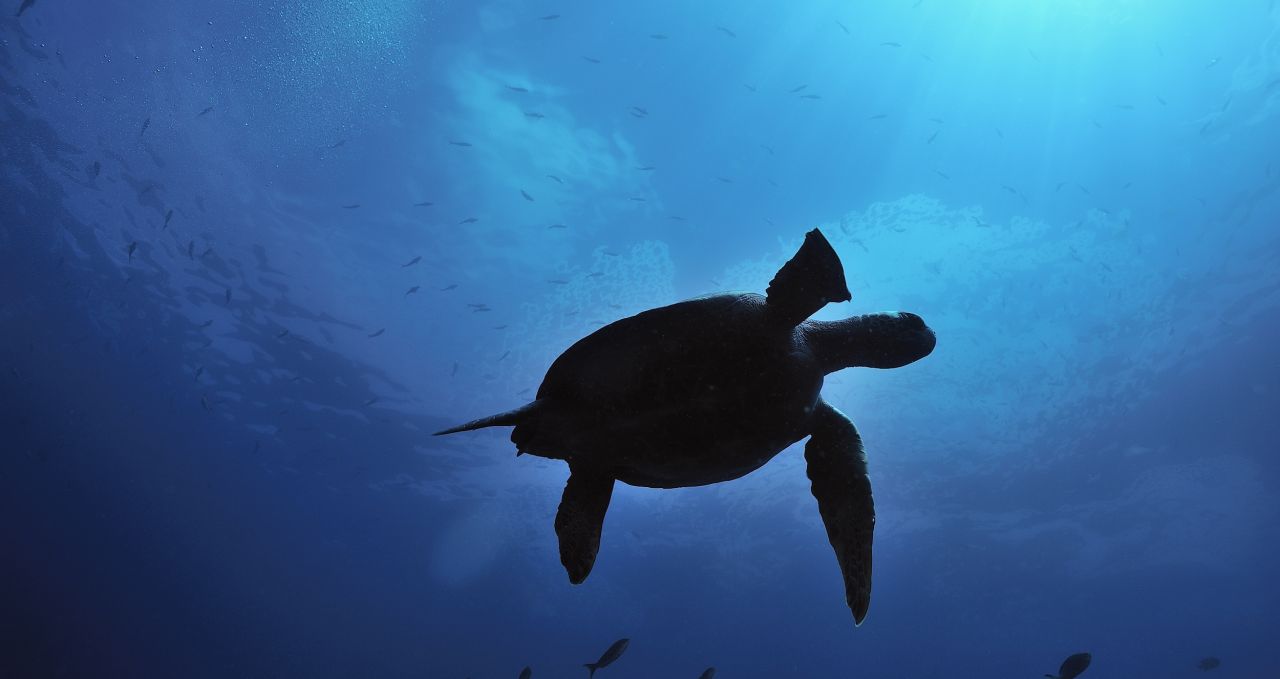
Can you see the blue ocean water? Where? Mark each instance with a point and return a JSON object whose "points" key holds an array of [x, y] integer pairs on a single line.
{"points": [[253, 253]]}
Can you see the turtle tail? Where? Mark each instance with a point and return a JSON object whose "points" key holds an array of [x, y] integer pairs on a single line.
{"points": [[507, 419]]}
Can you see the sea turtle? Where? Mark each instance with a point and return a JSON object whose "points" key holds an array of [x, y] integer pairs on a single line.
{"points": [[709, 390], [1072, 667]]}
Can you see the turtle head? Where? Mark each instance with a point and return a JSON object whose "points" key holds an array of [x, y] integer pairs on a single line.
{"points": [[883, 340]]}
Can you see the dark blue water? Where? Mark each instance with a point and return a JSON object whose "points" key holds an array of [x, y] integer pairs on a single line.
{"points": [[212, 467]]}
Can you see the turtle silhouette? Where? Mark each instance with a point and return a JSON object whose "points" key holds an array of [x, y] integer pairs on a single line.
{"points": [[710, 389]]}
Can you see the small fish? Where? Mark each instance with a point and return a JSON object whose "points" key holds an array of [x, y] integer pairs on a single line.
{"points": [[591, 60], [132, 247], [95, 169], [447, 288], [751, 88], [503, 356], [726, 31], [1033, 54], [610, 655], [1059, 187], [640, 110], [931, 138], [555, 179], [708, 673], [411, 262], [658, 36], [460, 143], [557, 226], [412, 290], [999, 133], [595, 274], [810, 96], [526, 195], [206, 324], [1125, 107], [724, 180], [226, 299], [797, 88], [517, 88], [1083, 190], [167, 216], [351, 206], [26, 5], [1161, 100], [257, 445], [534, 115], [1208, 664], [469, 220], [145, 124], [338, 144], [638, 199], [199, 372], [646, 168], [842, 26], [191, 250], [937, 120], [878, 116], [891, 44], [942, 174], [425, 203], [377, 333], [370, 402], [674, 218], [282, 334], [455, 369], [558, 281], [549, 17], [1212, 62], [979, 222], [1097, 124], [610, 253], [767, 148], [204, 401], [205, 112]]}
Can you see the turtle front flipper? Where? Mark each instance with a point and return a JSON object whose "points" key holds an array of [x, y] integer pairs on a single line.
{"points": [[837, 466], [810, 279], [581, 516]]}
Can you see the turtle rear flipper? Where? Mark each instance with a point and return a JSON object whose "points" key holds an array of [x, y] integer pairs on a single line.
{"points": [[507, 419], [810, 279], [837, 466], [580, 518]]}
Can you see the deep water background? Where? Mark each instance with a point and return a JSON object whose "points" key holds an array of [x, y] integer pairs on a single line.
{"points": [[211, 469]]}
